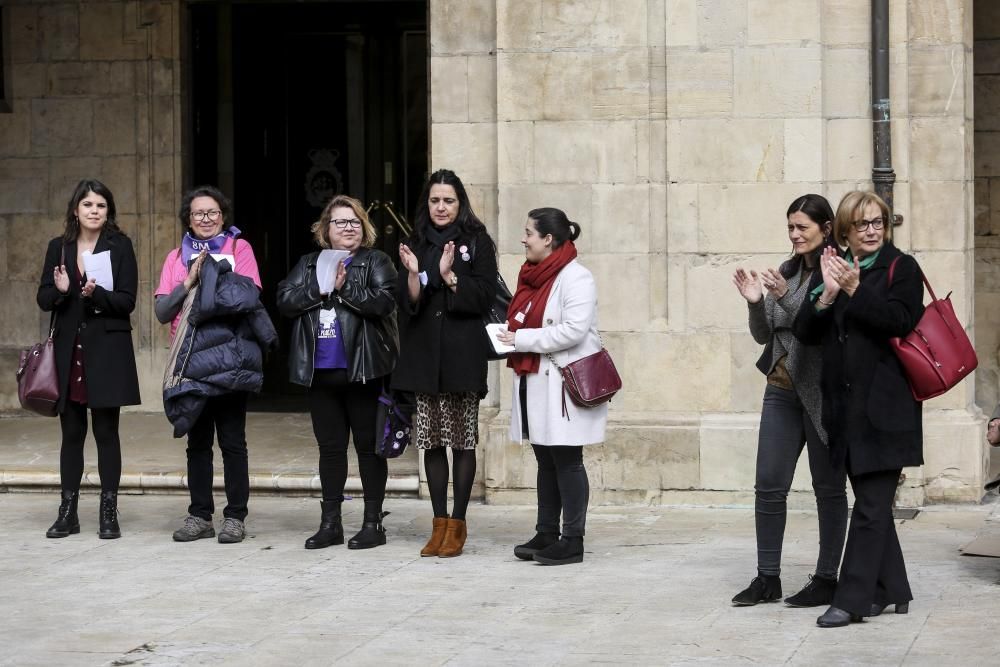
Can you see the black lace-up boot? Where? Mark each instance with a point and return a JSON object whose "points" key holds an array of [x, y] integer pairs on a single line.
{"points": [[67, 523], [109, 529]]}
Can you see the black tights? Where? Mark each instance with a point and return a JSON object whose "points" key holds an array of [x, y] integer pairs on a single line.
{"points": [[73, 420], [463, 466]]}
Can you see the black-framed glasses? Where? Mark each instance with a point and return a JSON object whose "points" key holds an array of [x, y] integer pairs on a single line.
{"points": [[344, 223], [199, 216], [862, 225]]}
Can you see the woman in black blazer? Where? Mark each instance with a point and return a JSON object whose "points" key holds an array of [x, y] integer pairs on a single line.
{"points": [[93, 343], [447, 284], [873, 421]]}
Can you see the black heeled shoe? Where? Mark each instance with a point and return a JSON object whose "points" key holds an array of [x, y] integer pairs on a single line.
{"points": [[901, 608], [837, 618]]}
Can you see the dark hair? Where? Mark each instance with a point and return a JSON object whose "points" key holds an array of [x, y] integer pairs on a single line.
{"points": [[83, 188], [553, 221], [467, 220], [205, 191], [817, 209]]}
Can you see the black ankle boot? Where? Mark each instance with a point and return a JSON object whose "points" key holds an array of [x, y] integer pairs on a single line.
{"points": [[567, 550], [818, 592], [528, 550], [67, 523], [763, 588], [372, 534], [331, 530], [108, 516]]}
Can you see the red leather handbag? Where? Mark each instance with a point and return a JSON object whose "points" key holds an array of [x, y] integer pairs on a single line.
{"points": [[937, 354], [38, 379], [589, 381]]}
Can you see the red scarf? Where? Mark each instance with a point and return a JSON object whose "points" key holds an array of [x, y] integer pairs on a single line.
{"points": [[534, 282]]}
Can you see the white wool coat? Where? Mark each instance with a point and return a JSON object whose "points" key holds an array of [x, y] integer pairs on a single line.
{"points": [[568, 332]]}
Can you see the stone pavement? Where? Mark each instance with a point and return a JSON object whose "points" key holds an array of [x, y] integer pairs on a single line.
{"points": [[283, 455], [654, 589]]}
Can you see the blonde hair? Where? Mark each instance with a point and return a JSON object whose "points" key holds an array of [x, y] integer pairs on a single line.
{"points": [[852, 208], [321, 227]]}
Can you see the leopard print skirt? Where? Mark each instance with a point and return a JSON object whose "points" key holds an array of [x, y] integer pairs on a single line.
{"points": [[447, 420]]}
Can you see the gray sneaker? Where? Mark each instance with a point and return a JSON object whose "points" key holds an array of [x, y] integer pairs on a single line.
{"points": [[233, 531], [194, 528]]}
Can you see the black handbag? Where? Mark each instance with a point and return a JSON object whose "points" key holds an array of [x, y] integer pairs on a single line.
{"points": [[393, 423]]}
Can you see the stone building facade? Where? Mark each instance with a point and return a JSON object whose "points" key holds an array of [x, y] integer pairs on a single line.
{"points": [[675, 131]]}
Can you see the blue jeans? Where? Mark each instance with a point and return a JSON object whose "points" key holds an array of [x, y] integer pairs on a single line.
{"points": [[785, 427]]}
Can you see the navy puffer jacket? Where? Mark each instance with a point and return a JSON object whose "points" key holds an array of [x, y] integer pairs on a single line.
{"points": [[218, 347]]}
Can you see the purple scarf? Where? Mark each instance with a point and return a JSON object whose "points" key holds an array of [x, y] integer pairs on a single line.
{"points": [[190, 246]]}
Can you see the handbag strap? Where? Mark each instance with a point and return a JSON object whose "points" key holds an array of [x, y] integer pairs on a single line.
{"points": [[930, 289], [553, 361], [54, 316]]}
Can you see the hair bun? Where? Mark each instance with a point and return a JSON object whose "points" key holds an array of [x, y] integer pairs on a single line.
{"points": [[574, 231]]}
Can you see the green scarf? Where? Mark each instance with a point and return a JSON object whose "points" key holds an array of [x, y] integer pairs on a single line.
{"points": [[849, 258]]}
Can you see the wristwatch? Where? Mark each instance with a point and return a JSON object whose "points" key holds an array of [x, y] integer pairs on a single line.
{"points": [[453, 282]]}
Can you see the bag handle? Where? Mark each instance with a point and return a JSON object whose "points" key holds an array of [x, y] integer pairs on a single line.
{"points": [[53, 317], [930, 289]]}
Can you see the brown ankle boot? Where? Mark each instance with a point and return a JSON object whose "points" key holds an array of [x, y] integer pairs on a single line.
{"points": [[433, 545], [454, 539]]}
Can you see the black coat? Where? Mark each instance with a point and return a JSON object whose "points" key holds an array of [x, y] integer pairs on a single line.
{"points": [[443, 344], [868, 410], [102, 321], [366, 311]]}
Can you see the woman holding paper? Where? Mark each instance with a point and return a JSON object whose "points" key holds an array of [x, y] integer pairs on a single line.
{"points": [[552, 319], [205, 217], [89, 283], [344, 341], [447, 287]]}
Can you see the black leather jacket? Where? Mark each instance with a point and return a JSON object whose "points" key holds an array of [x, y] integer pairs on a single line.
{"points": [[365, 307]]}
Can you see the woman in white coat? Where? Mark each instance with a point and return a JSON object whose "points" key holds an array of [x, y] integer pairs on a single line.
{"points": [[553, 318]]}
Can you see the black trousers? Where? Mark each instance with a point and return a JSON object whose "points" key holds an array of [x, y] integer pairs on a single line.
{"points": [[785, 427], [340, 409], [227, 416], [73, 421], [873, 570], [563, 487]]}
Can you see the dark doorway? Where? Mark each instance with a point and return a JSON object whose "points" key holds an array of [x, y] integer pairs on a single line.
{"points": [[293, 103]]}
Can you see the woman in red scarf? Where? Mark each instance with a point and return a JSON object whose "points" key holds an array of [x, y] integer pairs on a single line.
{"points": [[553, 318]]}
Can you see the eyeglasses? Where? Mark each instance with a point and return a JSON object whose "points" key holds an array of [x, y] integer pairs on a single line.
{"points": [[862, 225], [199, 216], [344, 223]]}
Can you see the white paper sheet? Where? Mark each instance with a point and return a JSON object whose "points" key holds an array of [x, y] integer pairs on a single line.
{"points": [[326, 268], [98, 268], [491, 330], [218, 257]]}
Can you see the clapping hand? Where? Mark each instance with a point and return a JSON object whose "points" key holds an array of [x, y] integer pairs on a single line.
{"points": [[88, 288], [748, 285], [195, 270], [447, 258], [61, 278], [774, 283], [408, 259], [341, 278]]}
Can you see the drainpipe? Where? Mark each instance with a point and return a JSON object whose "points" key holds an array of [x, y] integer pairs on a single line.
{"points": [[883, 176]]}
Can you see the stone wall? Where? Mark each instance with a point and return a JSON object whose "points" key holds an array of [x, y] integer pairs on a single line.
{"points": [[676, 132], [96, 92]]}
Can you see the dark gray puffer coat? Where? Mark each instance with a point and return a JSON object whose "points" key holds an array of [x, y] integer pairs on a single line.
{"points": [[218, 347]]}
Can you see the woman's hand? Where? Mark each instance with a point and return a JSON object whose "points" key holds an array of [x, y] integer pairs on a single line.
{"points": [[775, 283], [447, 258], [61, 278], [828, 267], [506, 337], [341, 278], [195, 271], [408, 259], [88, 289], [848, 276], [748, 285]]}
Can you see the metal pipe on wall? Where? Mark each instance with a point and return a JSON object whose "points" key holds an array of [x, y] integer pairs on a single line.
{"points": [[883, 177]]}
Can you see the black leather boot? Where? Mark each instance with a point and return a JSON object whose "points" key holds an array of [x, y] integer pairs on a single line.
{"points": [[763, 588], [528, 550], [372, 534], [67, 523], [331, 530], [108, 516]]}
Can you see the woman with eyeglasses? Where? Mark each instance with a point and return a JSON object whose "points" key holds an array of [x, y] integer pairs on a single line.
{"points": [[344, 342], [447, 286], [205, 217], [858, 301]]}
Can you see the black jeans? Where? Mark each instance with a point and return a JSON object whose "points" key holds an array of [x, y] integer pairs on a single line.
{"points": [[227, 416], [73, 421], [785, 427], [563, 487], [339, 409], [873, 570]]}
